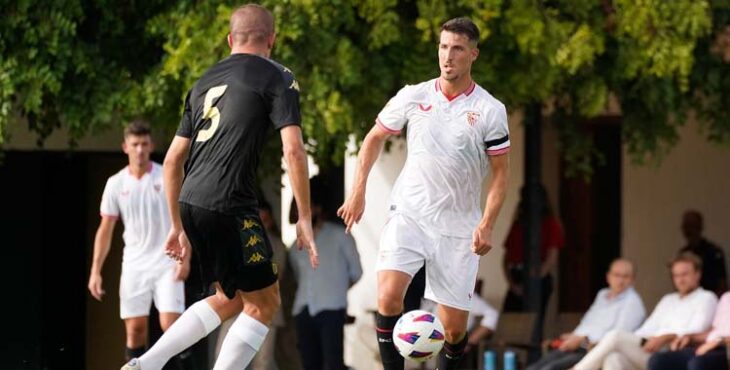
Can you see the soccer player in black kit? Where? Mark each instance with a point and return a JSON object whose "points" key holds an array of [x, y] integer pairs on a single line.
{"points": [[228, 114]]}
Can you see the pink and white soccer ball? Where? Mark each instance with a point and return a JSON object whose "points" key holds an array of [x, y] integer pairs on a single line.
{"points": [[418, 335]]}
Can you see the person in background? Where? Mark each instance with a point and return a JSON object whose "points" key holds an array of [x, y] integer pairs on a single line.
{"points": [[689, 310], [320, 304], [714, 275], [136, 196], [617, 307], [702, 351], [552, 241]]}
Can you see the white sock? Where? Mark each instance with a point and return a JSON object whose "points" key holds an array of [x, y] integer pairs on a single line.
{"points": [[194, 324], [241, 344]]}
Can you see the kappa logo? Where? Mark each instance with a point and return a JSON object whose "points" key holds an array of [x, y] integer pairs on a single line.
{"points": [[471, 118], [247, 224], [425, 108], [125, 193], [157, 187], [257, 257], [253, 240]]}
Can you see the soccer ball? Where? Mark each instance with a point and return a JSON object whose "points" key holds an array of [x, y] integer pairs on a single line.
{"points": [[418, 335]]}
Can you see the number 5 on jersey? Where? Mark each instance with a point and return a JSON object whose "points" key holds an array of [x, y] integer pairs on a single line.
{"points": [[210, 112]]}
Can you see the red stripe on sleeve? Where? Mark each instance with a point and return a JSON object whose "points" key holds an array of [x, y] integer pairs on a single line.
{"points": [[498, 151], [386, 129]]}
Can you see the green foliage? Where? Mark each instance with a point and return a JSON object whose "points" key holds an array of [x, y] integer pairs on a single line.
{"points": [[87, 65]]}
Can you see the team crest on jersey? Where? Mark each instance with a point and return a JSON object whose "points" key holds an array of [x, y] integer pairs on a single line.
{"points": [[471, 118]]}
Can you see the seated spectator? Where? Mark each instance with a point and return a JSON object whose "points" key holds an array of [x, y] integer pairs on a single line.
{"points": [[617, 307], [703, 351], [687, 311]]}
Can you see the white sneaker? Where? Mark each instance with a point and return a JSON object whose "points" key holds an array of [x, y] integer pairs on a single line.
{"points": [[133, 364]]}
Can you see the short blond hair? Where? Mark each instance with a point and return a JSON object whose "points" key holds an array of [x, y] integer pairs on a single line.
{"points": [[688, 257]]}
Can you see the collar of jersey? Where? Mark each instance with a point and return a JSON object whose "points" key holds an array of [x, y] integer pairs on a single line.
{"points": [[149, 170], [450, 99]]}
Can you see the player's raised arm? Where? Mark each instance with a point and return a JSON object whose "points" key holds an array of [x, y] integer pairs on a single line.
{"points": [[296, 161], [482, 240], [354, 206]]}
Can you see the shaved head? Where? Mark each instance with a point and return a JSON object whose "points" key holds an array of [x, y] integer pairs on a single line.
{"points": [[251, 24]]}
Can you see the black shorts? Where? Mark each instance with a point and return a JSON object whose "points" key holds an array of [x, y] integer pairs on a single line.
{"points": [[233, 250]]}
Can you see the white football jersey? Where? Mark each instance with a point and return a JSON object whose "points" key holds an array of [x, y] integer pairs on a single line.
{"points": [[142, 207], [448, 141]]}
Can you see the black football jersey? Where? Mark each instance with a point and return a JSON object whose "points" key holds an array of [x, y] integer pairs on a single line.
{"points": [[228, 115]]}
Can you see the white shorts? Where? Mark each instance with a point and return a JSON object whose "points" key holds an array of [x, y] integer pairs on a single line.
{"points": [[137, 290], [451, 266]]}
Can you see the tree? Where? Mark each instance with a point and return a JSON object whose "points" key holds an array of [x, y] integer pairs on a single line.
{"points": [[70, 63], [661, 60]]}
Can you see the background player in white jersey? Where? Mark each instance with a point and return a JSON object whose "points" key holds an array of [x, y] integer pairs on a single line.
{"points": [[456, 132], [136, 196]]}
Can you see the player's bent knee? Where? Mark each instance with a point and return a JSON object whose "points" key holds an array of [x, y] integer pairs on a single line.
{"points": [[389, 305], [390, 301]]}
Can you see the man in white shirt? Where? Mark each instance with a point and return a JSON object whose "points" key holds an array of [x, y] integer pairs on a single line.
{"points": [[616, 307], [689, 310], [136, 195], [457, 131], [700, 351]]}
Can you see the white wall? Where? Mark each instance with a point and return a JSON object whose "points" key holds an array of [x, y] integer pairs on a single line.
{"points": [[695, 174], [106, 140]]}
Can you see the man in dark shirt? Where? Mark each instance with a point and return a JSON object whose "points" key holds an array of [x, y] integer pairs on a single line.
{"points": [[228, 114], [714, 276]]}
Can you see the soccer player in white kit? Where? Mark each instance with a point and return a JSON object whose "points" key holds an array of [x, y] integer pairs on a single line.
{"points": [[457, 131], [136, 195]]}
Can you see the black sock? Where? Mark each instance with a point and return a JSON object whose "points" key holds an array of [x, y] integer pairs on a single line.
{"points": [[450, 355], [130, 353], [389, 355]]}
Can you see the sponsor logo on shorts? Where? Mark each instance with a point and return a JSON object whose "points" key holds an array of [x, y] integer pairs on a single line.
{"points": [[247, 224], [253, 241], [257, 257], [274, 268]]}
